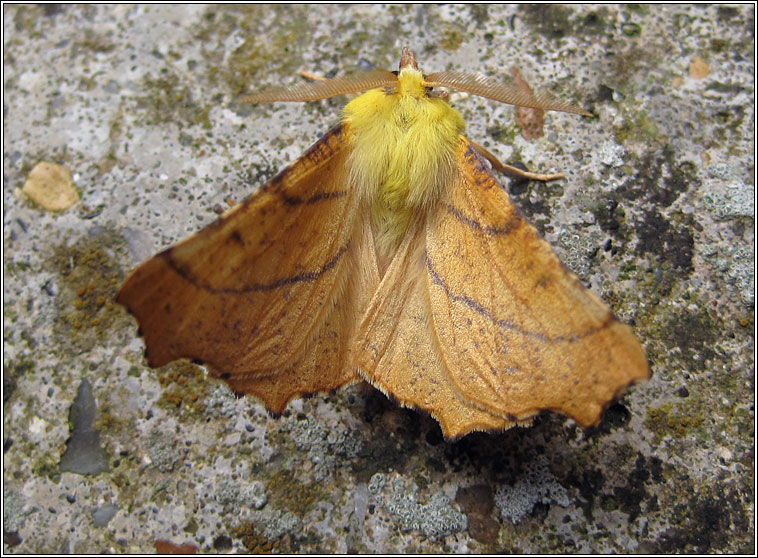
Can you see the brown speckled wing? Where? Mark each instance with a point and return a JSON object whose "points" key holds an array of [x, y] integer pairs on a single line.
{"points": [[517, 331], [477, 321], [263, 295]]}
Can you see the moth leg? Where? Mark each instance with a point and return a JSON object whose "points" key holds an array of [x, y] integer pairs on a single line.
{"points": [[311, 76], [513, 171]]}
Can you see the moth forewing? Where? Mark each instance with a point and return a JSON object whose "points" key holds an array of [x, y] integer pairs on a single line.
{"points": [[252, 295], [543, 340]]}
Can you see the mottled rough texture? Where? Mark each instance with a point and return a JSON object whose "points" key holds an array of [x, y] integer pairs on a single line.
{"points": [[536, 486], [656, 214], [435, 519]]}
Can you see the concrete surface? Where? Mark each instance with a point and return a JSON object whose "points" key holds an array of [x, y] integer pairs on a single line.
{"points": [[656, 213]]}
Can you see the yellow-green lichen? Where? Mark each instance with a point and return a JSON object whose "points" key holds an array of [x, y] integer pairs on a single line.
{"points": [[671, 420], [90, 276], [109, 420], [242, 69], [285, 491], [47, 466], [184, 387], [637, 127], [452, 37], [167, 100], [254, 542]]}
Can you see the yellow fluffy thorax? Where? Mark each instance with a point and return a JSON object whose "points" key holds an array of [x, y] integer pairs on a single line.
{"points": [[403, 153]]}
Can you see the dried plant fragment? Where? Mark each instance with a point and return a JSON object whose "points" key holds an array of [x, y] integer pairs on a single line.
{"points": [[50, 186], [530, 120]]}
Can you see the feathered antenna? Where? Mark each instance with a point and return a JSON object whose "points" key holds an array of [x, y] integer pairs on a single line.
{"points": [[506, 91], [323, 89]]}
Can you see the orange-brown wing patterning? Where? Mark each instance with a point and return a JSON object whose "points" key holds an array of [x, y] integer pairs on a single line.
{"points": [[397, 352], [253, 295], [477, 321], [541, 339]]}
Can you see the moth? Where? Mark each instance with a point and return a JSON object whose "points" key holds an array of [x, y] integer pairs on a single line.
{"points": [[389, 253]]}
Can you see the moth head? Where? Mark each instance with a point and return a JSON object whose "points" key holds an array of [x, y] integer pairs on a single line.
{"points": [[407, 60], [410, 80]]}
